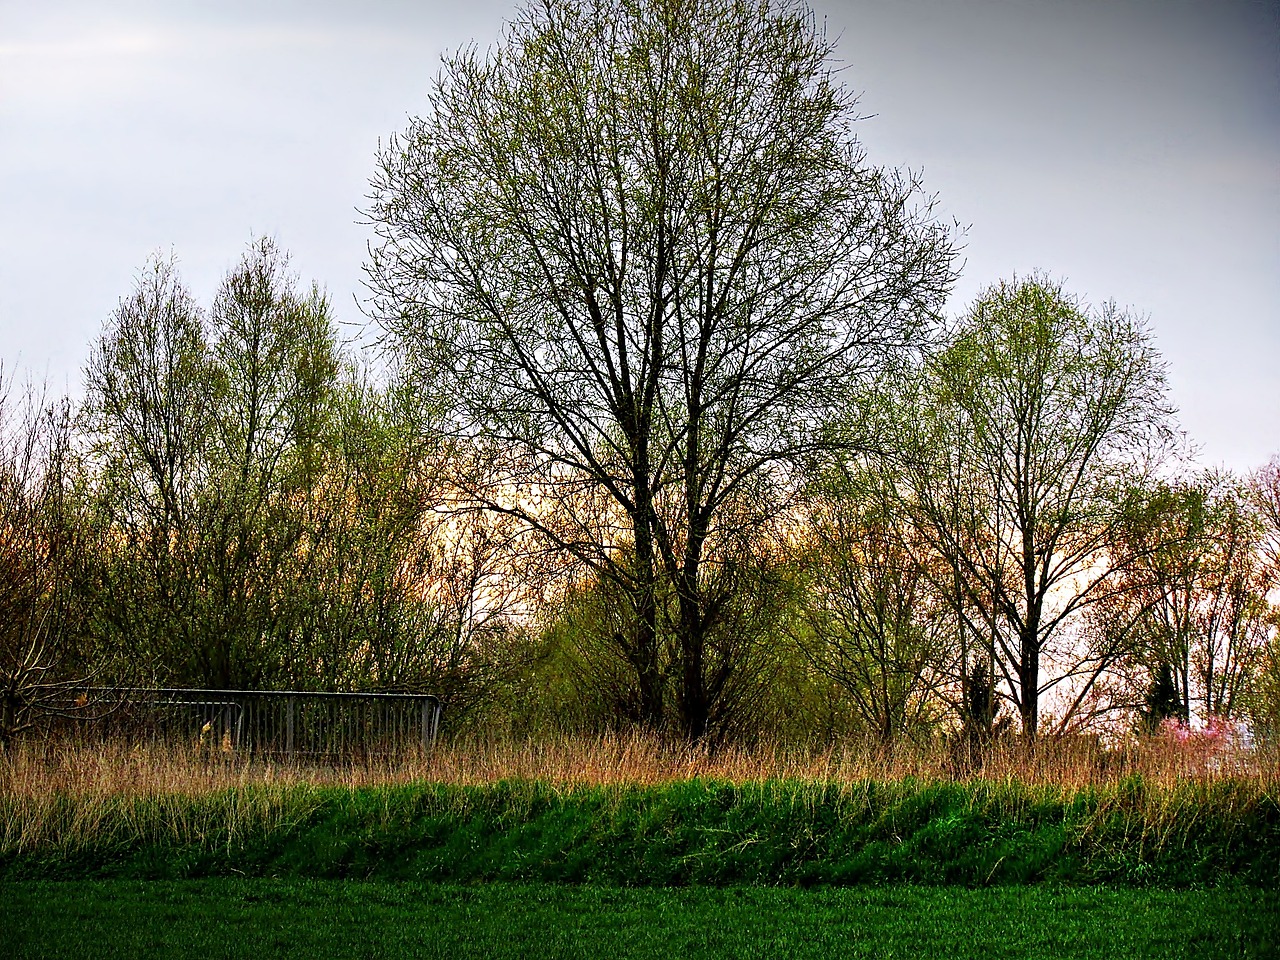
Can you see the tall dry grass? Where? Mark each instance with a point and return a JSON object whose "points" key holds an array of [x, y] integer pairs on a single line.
{"points": [[113, 768], [68, 796]]}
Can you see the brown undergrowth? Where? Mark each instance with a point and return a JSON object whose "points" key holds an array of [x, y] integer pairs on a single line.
{"points": [[32, 769]]}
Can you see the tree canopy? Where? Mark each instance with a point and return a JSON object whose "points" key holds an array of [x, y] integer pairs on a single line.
{"points": [[638, 248]]}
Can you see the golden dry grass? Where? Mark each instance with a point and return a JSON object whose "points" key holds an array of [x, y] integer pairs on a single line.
{"points": [[71, 768]]}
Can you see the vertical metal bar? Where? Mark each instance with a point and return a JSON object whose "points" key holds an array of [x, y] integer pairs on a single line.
{"points": [[289, 728]]}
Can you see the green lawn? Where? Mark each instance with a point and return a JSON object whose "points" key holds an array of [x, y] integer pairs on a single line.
{"points": [[220, 917]]}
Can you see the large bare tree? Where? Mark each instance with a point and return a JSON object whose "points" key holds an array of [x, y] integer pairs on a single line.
{"points": [[639, 251]]}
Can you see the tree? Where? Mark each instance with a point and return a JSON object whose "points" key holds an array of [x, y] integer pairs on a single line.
{"points": [[873, 620], [1265, 487], [1161, 702], [1035, 419], [150, 390], [1235, 619], [268, 516], [150, 395], [397, 591], [205, 427], [1264, 705], [1154, 611], [45, 651], [640, 254], [1193, 601], [275, 362]]}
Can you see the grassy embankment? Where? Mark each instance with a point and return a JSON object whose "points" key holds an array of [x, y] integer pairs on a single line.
{"points": [[626, 811]]}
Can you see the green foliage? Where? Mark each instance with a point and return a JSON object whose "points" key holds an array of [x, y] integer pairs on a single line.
{"points": [[205, 428], [579, 678], [871, 616], [268, 516]]}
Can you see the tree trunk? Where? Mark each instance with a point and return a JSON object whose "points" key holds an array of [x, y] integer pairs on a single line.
{"points": [[1029, 680], [645, 654], [695, 711]]}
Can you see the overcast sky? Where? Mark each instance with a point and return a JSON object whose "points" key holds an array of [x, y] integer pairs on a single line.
{"points": [[1129, 149]]}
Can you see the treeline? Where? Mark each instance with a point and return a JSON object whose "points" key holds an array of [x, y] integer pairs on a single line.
{"points": [[234, 504], [238, 502], [669, 431]]}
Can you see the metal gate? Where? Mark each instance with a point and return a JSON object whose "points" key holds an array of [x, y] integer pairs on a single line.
{"points": [[284, 723]]}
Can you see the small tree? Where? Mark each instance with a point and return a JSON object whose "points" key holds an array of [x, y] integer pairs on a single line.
{"points": [[979, 705], [1036, 417], [872, 618], [1162, 701], [45, 651]]}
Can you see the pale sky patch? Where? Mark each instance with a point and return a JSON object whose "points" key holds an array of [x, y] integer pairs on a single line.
{"points": [[1129, 148]]}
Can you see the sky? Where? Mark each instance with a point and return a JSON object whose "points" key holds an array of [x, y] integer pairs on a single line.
{"points": [[1130, 150]]}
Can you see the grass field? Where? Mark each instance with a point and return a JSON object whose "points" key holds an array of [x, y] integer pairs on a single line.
{"points": [[625, 848], [313, 919]]}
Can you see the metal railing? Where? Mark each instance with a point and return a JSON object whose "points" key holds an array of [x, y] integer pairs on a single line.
{"points": [[285, 723]]}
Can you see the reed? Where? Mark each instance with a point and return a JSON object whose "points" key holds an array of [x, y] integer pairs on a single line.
{"points": [[31, 771]]}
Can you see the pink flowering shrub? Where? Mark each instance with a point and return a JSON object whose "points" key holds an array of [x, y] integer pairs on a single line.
{"points": [[1200, 749]]}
